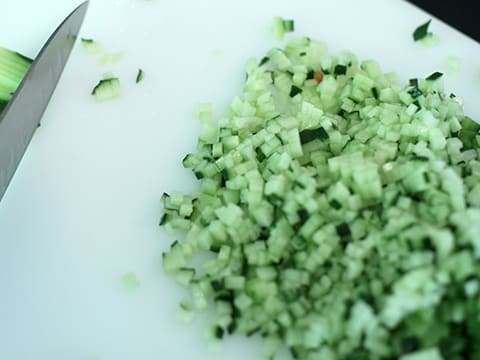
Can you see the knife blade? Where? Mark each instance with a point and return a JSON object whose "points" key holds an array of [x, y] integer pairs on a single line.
{"points": [[23, 113]]}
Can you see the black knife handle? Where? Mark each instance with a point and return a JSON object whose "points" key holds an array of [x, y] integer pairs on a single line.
{"points": [[460, 14]]}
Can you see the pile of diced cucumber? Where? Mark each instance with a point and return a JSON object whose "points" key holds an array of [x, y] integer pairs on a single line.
{"points": [[340, 212]]}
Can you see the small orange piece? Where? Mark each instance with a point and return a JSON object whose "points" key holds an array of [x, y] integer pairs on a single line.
{"points": [[318, 76]]}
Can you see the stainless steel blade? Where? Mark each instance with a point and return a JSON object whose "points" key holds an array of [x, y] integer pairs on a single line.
{"points": [[23, 113]]}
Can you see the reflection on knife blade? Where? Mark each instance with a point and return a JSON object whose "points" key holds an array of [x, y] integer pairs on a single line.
{"points": [[22, 114]]}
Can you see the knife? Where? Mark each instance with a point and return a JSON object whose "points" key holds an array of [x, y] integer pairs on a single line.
{"points": [[459, 16], [22, 115]]}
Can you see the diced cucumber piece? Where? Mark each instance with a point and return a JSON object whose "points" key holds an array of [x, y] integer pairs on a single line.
{"points": [[107, 89], [91, 46]]}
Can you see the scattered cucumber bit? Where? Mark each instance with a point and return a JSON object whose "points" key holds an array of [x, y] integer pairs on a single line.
{"points": [[91, 46], [130, 281], [431, 40], [453, 65], [186, 312], [140, 76], [217, 53], [434, 76], [289, 25], [111, 58], [421, 31], [282, 26], [107, 89], [107, 75], [338, 213]]}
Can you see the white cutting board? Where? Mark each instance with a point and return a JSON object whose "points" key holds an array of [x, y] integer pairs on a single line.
{"points": [[83, 207]]}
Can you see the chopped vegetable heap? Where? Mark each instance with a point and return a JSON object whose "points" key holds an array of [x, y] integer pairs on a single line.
{"points": [[340, 211], [13, 68]]}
